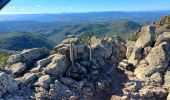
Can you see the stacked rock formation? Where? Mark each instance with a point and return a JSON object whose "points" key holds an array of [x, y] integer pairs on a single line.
{"points": [[148, 61], [54, 77]]}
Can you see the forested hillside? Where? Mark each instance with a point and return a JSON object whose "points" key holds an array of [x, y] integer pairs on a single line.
{"points": [[20, 41]]}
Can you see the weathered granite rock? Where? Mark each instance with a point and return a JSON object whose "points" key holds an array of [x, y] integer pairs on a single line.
{"points": [[146, 37], [129, 51], [165, 20], [62, 49], [167, 80], [29, 78], [165, 37], [80, 49], [28, 56], [7, 84], [156, 78], [156, 61], [58, 66], [45, 61], [155, 93], [158, 58], [59, 90], [140, 71], [41, 64], [136, 56], [42, 94], [18, 68], [109, 48], [146, 51], [44, 81]]}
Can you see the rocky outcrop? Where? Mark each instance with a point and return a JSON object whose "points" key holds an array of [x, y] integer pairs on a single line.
{"points": [[28, 56], [150, 59], [58, 66], [156, 61], [136, 55], [18, 68], [165, 20], [137, 52], [26, 60], [146, 37], [7, 84], [165, 37], [77, 70]]}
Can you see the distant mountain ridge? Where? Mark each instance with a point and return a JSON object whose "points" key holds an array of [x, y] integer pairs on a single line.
{"points": [[89, 16], [50, 29]]}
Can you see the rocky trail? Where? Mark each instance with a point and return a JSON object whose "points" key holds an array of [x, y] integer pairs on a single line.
{"points": [[107, 69]]}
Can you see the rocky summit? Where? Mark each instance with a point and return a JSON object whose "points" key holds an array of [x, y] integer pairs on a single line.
{"points": [[102, 69]]}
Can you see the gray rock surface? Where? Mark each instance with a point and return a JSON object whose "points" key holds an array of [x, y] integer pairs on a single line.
{"points": [[58, 66], [44, 81], [146, 37], [28, 56], [136, 56], [7, 84], [18, 69], [164, 37]]}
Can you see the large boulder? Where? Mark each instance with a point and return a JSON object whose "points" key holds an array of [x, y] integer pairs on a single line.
{"points": [[44, 81], [78, 46], [29, 57], [158, 56], [165, 37], [109, 48], [136, 55], [18, 69], [8, 84], [146, 37], [165, 20], [45, 61], [29, 78], [156, 61], [58, 65]]}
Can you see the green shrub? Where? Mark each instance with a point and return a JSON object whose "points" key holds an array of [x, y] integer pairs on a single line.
{"points": [[3, 58], [86, 38]]}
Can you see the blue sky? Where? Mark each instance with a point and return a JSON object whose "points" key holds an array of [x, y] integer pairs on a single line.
{"points": [[60, 6]]}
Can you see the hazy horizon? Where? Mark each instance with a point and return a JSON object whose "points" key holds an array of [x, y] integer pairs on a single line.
{"points": [[83, 12], [80, 6]]}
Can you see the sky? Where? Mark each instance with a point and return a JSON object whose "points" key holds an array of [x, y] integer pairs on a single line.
{"points": [[69, 6]]}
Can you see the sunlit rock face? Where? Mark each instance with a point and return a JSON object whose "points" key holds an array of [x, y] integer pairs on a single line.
{"points": [[165, 20], [147, 64], [98, 69], [75, 70]]}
